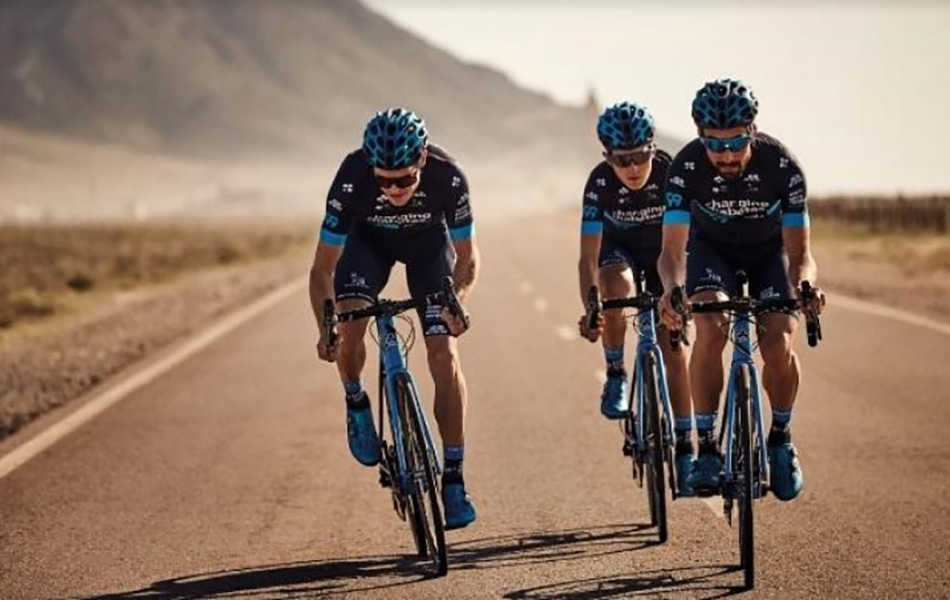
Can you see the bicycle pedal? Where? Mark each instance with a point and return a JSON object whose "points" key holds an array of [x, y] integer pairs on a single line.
{"points": [[384, 479], [627, 449]]}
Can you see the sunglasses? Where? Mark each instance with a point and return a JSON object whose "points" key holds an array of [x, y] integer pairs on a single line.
{"points": [[639, 157], [402, 183], [733, 144]]}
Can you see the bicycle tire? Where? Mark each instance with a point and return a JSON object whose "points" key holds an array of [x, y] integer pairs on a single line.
{"points": [[425, 518], [655, 474], [742, 465]]}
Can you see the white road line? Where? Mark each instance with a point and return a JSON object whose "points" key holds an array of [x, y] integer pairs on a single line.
{"points": [[113, 395], [566, 333], [879, 310], [540, 304]]}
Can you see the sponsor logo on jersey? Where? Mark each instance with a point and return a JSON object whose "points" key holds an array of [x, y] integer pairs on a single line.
{"points": [[601, 182], [745, 207], [335, 204], [796, 179], [331, 221], [752, 178], [401, 220], [768, 293], [689, 165], [347, 188], [590, 212], [673, 199], [678, 181], [456, 181], [356, 280], [783, 163], [797, 197], [592, 196]]}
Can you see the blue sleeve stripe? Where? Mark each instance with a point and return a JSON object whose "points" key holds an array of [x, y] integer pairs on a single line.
{"points": [[332, 239], [796, 220], [592, 227], [459, 234], [676, 217]]}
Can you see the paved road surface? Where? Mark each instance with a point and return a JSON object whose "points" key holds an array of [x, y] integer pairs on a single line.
{"points": [[229, 476]]}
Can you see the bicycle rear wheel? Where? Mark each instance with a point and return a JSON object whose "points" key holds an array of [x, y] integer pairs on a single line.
{"points": [[656, 484], [742, 470], [425, 512]]}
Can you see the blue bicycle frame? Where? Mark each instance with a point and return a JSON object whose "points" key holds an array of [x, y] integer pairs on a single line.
{"points": [[742, 324], [392, 363], [647, 345]]}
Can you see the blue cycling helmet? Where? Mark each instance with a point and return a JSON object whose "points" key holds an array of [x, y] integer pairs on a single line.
{"points": [[624, 126], [394, 139], [724, 104]]}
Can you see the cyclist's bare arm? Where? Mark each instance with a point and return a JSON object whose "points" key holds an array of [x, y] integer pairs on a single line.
{"points": [[467, 264], [321, 278], [801, 263], [672, 268], [587, 265]]}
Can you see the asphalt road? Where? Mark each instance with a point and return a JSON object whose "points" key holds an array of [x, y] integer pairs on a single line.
{"points": [[229, 476]]}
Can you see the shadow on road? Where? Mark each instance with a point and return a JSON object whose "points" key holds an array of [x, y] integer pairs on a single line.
{"points": [[352, 575], [695, 582]]}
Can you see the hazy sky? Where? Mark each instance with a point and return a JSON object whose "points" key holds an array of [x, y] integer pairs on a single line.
{"points": [[860, 91]]}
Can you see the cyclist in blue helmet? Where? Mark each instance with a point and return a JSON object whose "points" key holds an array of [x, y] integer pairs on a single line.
{"points": [[621, 230], [736, 199], [399, 199]]}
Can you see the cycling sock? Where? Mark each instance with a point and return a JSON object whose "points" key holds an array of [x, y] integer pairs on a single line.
{"points": [[452, 459], [706, 431], [780, 432], [683, 427], [354, 391], [614, 357]]}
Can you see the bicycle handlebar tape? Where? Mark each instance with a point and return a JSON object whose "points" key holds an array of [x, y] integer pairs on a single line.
{"points": [[593, 307], [812, 325]]}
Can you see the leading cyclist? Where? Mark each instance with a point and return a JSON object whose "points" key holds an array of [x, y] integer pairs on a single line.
{"points": [[399, 199], [736, 197]]}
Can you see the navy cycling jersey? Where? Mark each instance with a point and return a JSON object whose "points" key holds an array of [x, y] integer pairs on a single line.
{"points": [[355, 200], [632, 218], [748, 210]]}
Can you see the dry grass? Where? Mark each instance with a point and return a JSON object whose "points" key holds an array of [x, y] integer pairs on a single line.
{"points": [[915, 254], [45, 268]]}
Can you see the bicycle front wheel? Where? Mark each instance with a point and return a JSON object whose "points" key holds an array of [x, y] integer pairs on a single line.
{"points": [[425, 512], [742, 468], [656, 485]]}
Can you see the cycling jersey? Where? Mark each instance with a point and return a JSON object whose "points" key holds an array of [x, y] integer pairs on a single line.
{"points": [[355, 200], [631, 218], [746, 211]]}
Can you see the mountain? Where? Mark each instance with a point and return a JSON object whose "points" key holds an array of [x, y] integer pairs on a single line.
{"points": [[247, 76], [251, 80]]}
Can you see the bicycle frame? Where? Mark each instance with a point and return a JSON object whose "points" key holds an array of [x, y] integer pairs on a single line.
{"points": [[742, 354], [391, 362], [647, 345]]}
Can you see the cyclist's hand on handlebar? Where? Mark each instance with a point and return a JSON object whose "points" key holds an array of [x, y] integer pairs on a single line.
{"points": [[815, 303], [457, 324], [591, 334], [327, 352], [671, 318]]}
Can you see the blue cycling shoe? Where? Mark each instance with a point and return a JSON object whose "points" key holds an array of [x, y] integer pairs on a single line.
{"points": [[785, 476], [614, 401], [458, 505], [704, 478], [361, 432], [684, 466]]}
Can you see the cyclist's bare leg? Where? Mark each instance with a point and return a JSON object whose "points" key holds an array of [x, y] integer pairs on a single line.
{"points": [[782, 371], [677, 375], [705, 364], [616, 281], [450, 391], [351, 355]]}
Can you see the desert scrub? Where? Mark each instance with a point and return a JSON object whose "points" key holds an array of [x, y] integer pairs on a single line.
{"points": [[43, 266]]}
